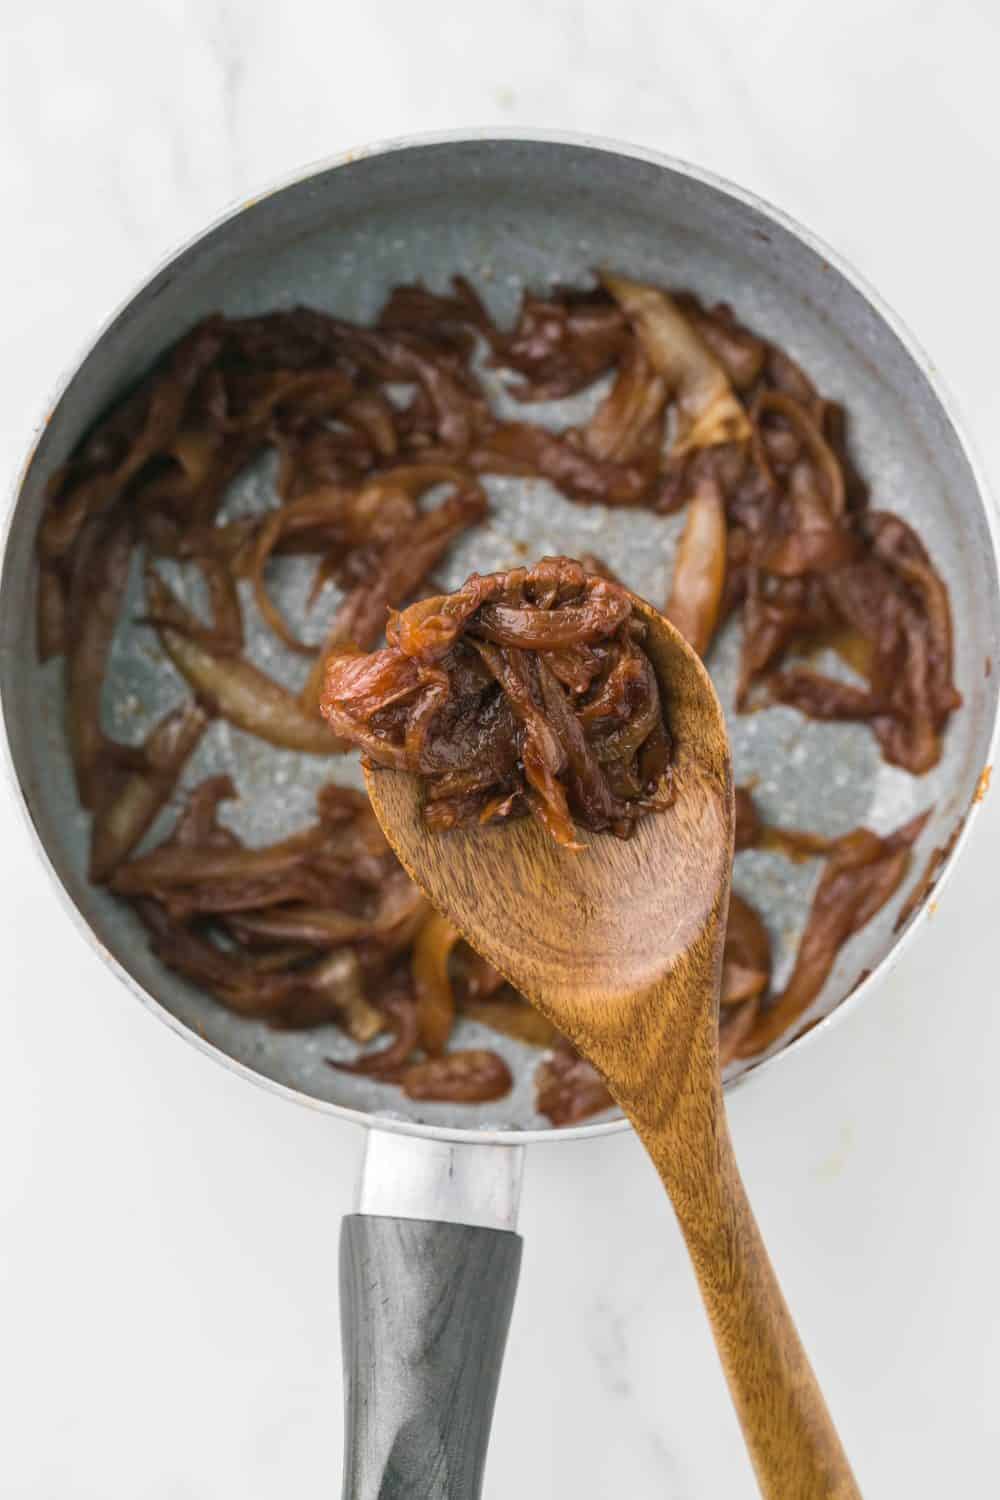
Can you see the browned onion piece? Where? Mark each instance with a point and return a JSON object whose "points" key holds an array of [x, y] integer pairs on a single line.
{"points": [[117, 450], [748, 825], [824, 697], [374, 514], [700, 569], [361, 619], [100, 575], [334, 987], [477, 979], [324, 927], [231, 899], [50, 611], [171, 865], [450, 319], [435, 998], [708, 411], [273, 986], [233, 687], [883, 605], [198, 826], [232, 978], [520, 448], [224, 603], [512, 1017], [776, 612], [796, 844], [863, 873], [538, 747], [469, 1077], [126, 812], [561, 343], [746, 961], [751, 832], [547, 629], [192, 890], [628, 425], [735, 1025], [568, 1088], [387, 1063], [594, 564], [741, 353], [316, 393], [804, 428], [452, 406], [224, 636], [639, 725], [591, 768]]}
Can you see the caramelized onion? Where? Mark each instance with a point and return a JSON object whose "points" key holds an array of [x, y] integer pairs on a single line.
{"points": [[435, 999], [512, 1017], [362, 617], [470, 1077], [700, 570], [628, 425], [560, 344], [746, 961], [568, 1088], [524, 693], [335, 982], [748, 825], [97, 590], [379, 512], [863, 872], [708, 411], [388, 1063], [127, 811], [232, 686], [402, 704]]}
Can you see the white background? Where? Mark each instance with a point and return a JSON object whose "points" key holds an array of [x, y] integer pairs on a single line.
{"points": [[168, 1319]]}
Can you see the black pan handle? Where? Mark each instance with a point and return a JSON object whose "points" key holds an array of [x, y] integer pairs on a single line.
{"points": [[425, 1308]]}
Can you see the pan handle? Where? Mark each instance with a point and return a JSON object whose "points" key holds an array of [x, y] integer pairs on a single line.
{"points": [[426, 1293]]}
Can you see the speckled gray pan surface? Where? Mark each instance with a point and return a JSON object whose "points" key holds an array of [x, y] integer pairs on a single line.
{"points": [[510, 214]]}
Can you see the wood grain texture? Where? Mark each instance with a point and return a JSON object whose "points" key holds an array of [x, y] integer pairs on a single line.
{"points": [[621, 948], [425, 1312]]}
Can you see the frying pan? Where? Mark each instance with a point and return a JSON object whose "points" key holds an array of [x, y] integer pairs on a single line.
{"points": [[429, 1263]]}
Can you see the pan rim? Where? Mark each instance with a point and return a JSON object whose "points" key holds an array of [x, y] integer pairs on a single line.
{"points": [[485, 135]]}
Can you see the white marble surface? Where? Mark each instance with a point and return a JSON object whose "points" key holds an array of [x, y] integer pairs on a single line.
{"points": [[167, 1234]]}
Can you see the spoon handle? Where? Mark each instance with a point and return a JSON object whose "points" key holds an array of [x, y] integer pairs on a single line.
{"points": [[794, 1446]]}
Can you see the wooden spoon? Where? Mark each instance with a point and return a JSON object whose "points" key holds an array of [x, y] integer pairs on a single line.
{"points": [[621, 948]]}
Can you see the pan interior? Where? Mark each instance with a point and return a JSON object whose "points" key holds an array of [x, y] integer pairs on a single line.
{"points": [[510, 214]]}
